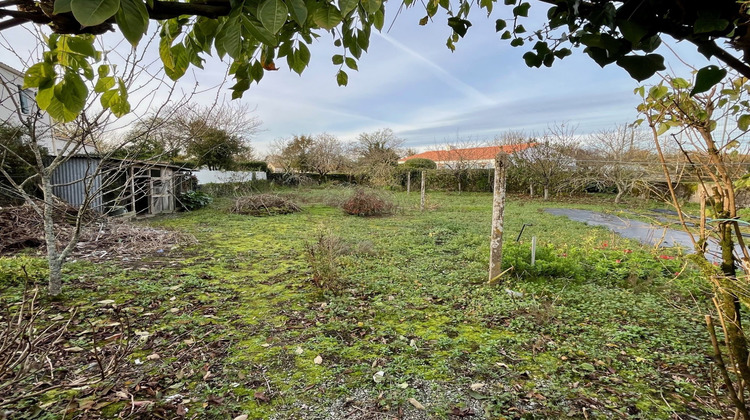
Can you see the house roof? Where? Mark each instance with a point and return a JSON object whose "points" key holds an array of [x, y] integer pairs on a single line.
{"points": [[473, 153]]}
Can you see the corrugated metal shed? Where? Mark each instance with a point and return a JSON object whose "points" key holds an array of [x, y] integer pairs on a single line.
{"points": [[77, 177]]}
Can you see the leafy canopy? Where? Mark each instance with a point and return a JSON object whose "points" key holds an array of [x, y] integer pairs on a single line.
{"points": [[255, 34]]}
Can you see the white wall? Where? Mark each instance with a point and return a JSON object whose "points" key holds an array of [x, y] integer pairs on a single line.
{"points": [[206, 176]]}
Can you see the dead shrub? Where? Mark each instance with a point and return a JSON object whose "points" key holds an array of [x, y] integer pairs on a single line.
{"points": [[364, 203], [323, 256], [264, 205]]}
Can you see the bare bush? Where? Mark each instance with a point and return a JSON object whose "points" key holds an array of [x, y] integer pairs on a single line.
{"points": [[323, 256], [364, 203], [264, 205]]}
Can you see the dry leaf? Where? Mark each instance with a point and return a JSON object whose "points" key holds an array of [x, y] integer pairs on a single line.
{"points": [[477, 386], [298, 350], [416, 404], [378, 376], [241, 417], [73, 349], [153, 356], [106, 302], [318, 360], [261, 396]]}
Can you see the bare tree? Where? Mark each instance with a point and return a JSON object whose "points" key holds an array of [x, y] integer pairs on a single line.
{"points": [[548, 162], [79, 141], [326, 154], [377, 155], [621, 157]]}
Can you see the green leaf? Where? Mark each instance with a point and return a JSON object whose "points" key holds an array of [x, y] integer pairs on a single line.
{"points": [[706, 78], [657, 92], [180, 60], [372, 6], [272, 15], [61, 6], [460, 26], [298, 11], [506, 35], [347, 6], [259, 32], [522, 10], [500, 24], [132, 18], [303, 54], [104, 84], [641, 67], [517, 42], [351, 63], [338, 59], [424, 20], [744, 122], [709, 24], [342, 78], [93, 12], [679, 83], [631, 31], [327, 17], [38, 74], [230, 36], [663, 128], [532, 60], [379, 19], [256, 71]]}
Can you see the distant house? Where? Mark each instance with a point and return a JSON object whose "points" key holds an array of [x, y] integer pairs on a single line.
{"points": [[468, 158], [86, 177]]}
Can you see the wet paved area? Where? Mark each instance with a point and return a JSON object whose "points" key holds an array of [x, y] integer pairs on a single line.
{"points": [[641, 231]]}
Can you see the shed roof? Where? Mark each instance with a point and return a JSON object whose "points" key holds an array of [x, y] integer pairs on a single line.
{"points": [[473, 153]]}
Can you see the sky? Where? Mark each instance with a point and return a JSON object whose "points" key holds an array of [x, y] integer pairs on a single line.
{"points": [[410, 82]]}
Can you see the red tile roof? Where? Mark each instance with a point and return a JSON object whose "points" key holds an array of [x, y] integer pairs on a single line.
{"points": [[474, 153]]}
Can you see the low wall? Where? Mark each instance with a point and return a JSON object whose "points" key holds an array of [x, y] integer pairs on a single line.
{"points": [[223, 177]]}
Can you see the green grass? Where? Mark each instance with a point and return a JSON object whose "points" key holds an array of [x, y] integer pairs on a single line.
{"points": [[604, 329]]}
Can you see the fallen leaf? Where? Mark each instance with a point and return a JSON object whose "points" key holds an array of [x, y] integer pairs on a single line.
{"points": [[298, 350], [403, 385], [461, 412], [106, 302], [477, 386], [261, 396], [174, 310], [73, 349], [378, 376], [153, 356], [318, 360], [416, 404], [181, 410], [266, 345], [241, 417]]}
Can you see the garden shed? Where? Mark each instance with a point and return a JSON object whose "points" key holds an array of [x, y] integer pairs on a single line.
{"points": [[116, 186]]}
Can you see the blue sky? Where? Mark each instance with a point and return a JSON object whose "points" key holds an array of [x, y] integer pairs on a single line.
{"points": [[411, 82]]}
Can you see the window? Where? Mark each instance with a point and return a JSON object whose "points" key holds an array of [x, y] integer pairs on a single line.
{"points": [[23, 100]]}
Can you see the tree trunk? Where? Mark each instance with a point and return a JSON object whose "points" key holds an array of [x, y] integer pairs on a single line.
{"points": [[54, 261], [546, 192], [498, 210], [618, 196], [531, 190]]}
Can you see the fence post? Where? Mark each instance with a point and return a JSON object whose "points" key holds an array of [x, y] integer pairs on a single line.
{"points": [[498, 210], [421, 204], [408, 182]]}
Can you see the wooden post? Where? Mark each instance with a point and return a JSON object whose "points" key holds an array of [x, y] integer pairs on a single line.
{"points": [[533, 250], [421, 205], [408, 182], [498, 209]]}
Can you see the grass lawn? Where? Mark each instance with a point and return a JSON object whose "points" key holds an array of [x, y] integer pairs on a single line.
{"points": [[604, 328]]}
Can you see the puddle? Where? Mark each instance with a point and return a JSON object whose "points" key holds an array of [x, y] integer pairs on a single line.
{"points": [[643, 232]]}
